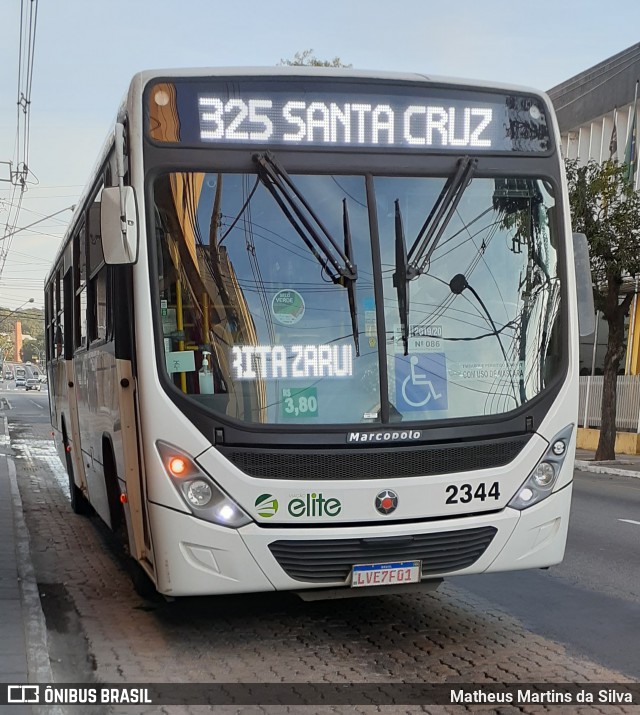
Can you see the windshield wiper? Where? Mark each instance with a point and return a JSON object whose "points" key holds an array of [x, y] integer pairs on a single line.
{"points": [[338, 267], [400, 280], [351, 284], [412, 264], [438, 219], [336, 263]]}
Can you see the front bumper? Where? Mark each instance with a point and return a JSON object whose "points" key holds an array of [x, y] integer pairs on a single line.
{"points": [[194, 557]]}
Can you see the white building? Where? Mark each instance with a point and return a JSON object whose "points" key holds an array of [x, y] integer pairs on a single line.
{"points": [[595, 111]]}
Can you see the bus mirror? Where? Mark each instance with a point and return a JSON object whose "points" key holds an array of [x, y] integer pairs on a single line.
{"points": [[119, 226], [584, 285]]}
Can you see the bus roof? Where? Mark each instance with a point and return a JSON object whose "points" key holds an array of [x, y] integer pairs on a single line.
{"points": [[143, 77]]}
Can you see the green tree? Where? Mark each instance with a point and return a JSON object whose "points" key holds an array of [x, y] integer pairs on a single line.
{"points": [[306, 58], [606, 209], [33, 351], [6, 346]]}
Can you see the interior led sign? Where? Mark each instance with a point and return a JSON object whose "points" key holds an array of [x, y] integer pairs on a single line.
{"points": [[320, 113], [270, 362]]}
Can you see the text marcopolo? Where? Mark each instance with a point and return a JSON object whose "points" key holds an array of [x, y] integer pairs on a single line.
{"points": [[384, 436]]}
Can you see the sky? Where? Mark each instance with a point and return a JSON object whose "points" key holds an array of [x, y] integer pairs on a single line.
{"points": [[86, 52]]}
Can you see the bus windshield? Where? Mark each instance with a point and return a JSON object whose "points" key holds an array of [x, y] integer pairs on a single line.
{"points": [[255, 326]]}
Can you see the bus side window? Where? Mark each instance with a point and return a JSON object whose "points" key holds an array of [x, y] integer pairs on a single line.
{"points": [[80, 288], [59, 342], [97, 276], [59, 312], [49, 321]]}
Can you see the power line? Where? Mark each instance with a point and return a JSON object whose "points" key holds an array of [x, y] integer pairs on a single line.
{"points": [[28, 21], [27, 45]]}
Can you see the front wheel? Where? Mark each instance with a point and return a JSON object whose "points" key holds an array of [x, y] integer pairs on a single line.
{"points": [[142, 584], [79, 503]]}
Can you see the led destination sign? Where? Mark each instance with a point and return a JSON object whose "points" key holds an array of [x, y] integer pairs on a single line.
{"points": [[360, 123], [316, 113]]}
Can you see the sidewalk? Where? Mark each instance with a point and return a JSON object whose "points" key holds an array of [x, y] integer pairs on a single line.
{"points": [[24, 657], [626, 465]]}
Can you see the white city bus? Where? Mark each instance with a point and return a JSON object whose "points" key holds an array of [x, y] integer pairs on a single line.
{"points": [[316, 330]]}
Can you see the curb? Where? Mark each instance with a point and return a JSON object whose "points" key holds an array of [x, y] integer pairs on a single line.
{"points": [[603, 469], [38, 662]]}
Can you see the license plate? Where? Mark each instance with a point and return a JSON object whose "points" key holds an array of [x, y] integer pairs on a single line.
{"points": [[391, 574]]}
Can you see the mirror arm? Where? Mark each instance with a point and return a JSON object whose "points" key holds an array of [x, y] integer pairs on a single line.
{"points": [[119, 146]]}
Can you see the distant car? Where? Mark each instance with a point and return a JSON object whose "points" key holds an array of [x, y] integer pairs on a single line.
{"points": [[21, 382], [31, 384], [8, 375]]}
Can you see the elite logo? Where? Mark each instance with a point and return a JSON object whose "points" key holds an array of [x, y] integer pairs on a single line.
{"points": [[267, 505], [314, 505], [300, 506]]}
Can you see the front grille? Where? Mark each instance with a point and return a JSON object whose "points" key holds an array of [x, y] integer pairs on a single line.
{"points": [[374, 463], [330, 560]]}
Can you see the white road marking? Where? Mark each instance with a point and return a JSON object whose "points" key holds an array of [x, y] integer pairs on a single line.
{"points": [[630, 521], [33, 402]]}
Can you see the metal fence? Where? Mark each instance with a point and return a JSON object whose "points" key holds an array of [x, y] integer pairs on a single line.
{"points": [[627, 402]]}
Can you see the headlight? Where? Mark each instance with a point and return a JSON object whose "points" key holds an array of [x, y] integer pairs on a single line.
{"points": [[539, 484], [544, 475], [203, 497], [198, 493]]}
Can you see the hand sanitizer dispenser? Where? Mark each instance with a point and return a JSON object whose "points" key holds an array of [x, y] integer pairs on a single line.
{"points": [[205, 375]]}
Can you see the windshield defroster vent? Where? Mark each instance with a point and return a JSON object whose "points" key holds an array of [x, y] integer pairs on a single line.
{"points": [[380, 463]]}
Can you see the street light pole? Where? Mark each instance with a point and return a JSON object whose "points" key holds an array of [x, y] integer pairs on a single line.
{"points": [[8, 315]]}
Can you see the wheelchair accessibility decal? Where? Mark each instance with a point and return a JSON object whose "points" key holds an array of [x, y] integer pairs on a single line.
{"points": [[421, 382]]}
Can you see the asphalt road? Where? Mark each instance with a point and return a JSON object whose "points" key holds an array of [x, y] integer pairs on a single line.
{"points": [[32, 405], [590, 602]]}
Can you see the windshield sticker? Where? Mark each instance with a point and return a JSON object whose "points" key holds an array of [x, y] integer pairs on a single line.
{"points": [[288, 307], [299, 402], [271, 362], [169, 321], [180, 361], [513, 371], [422, 338], [421, 382], [370, 329]]}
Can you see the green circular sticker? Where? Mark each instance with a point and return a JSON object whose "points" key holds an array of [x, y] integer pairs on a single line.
{"points": [[287, 307]]}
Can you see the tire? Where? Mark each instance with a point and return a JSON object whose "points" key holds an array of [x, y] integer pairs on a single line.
{"points": [[79, 503], [142, 584]]}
